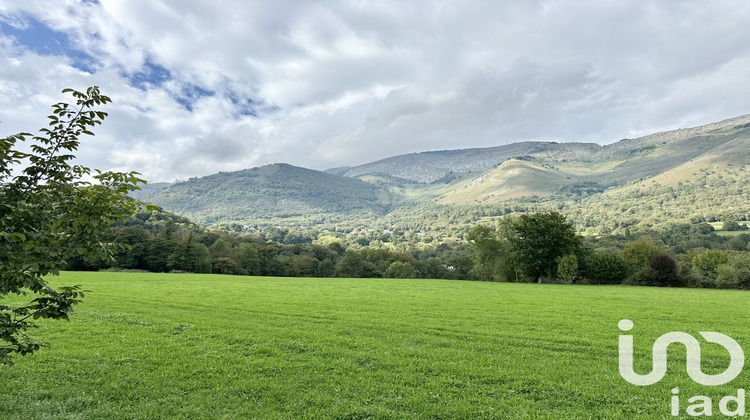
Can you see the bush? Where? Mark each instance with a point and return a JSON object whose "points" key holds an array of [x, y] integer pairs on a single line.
{"points": [[709, 261], [730, 225], [606, 268], [400, 270], [735, 273], [637, 254], [663, 270]]}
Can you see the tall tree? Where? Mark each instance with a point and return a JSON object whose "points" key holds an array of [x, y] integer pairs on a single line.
{"points": [[538, 240], [49, 213], [638, 253], [486, 251]]}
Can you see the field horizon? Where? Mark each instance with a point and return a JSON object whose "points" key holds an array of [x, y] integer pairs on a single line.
{"points": [[210, 346]]}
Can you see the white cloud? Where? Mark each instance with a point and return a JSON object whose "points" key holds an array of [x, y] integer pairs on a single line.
{"points": [[342, 83]]}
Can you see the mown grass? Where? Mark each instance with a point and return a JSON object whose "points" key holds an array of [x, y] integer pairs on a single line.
{"points": [[202, 346]]}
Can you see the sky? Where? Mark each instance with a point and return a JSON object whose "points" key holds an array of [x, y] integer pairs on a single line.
{"points": [[200, 87]]}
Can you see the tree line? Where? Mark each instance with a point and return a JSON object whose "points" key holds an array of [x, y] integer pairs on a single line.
{"points": [[532, 247], [544, 247], [161, 242]]}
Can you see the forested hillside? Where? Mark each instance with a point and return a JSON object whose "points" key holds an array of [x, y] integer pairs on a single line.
{"points": [[272, 192], [687, 175]]}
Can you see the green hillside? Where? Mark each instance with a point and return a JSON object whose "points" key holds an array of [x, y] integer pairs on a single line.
{"points": [[272, 192], [687, 175], [667, 158], [633, 158]]}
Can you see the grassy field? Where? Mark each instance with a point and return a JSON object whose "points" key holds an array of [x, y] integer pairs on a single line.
{"points": [[202, 346], [719, 231]]}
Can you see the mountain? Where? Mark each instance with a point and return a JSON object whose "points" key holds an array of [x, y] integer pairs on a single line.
{"points": [[278, 191], [427, 167], [663, 158], [699, 173]]}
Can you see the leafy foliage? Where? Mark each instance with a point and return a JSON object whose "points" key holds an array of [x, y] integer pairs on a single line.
{"points": [[487, 252], [663, 270], [277, 193], [606, 268], [539, 239], [49, 213], [567, 268]]}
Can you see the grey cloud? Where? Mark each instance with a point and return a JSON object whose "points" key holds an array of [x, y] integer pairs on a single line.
{"points": [[342, 83]]}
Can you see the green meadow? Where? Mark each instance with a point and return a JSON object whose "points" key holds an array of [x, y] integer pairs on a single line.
{"points": [[189, 346]]}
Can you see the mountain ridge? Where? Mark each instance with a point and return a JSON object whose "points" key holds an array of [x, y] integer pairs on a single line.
{"points": [[278, 190], [423, 167], [673, 165]]}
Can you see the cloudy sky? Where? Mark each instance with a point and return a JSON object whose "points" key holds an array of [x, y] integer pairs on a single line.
{"points": [[207, 86]]}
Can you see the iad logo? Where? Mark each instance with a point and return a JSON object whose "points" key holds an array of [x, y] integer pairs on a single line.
{"points": [[693, 348], [702, 405]]}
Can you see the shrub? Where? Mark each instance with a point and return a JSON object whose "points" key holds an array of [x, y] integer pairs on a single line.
{"points": [[400, 270], [567, 268], [708, 262], [730, 224], [606, 268], [663, 270]]}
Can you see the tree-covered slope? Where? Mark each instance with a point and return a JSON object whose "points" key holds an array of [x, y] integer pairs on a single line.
{"points": [[693, 174], [269, 192]]}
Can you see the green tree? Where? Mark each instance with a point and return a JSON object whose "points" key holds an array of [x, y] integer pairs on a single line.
{"points": [[567, 268], [400, 270], [49, 213], [486, 252], [131, 256], [269, 262], [730, 225], [303, 266], [708, 262], [431, 268], [158, 254], [190, 256], [663, 270], [736, 272], [353, 265], [326, 268], [538, 240], [639, 252], [606, 268], [223, 260], [247, 257], [637, 255], [220, 249], [227, 265], [704, 228]]}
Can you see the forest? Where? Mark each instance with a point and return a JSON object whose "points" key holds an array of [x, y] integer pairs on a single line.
{"points": [[505, 249]]}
